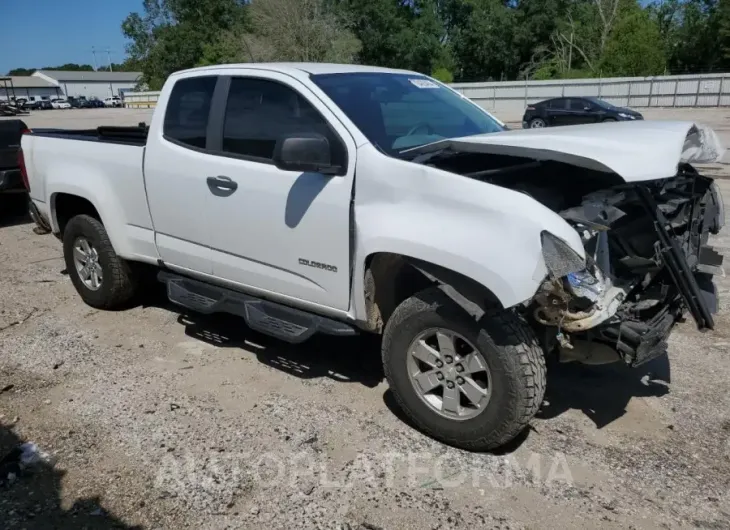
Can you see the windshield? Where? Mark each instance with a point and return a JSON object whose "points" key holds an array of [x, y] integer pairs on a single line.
{"points": [[400, 111]]}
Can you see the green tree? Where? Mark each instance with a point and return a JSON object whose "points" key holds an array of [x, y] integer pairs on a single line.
{"points": [[399, 34], [172, 35], [634, 47], [690, 34], [300, 30], [484, 43], [68, 66], [722, 16], [21, 71]]}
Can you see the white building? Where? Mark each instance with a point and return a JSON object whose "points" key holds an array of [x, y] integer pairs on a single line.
{"points": [[90, 84], [28, 87]]}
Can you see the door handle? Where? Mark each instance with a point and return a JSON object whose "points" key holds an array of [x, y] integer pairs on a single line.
{"points": [[222, 183]]}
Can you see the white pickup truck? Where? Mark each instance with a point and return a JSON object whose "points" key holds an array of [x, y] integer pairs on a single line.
{"points": [[326, 198]]}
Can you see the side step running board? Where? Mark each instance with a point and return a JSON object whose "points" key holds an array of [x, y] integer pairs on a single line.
{"points": [[280, 321]]}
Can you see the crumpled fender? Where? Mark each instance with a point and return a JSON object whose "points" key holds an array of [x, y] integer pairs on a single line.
{"points": [[486, 233]]}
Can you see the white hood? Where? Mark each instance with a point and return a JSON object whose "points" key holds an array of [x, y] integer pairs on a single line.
{"points": [[635, 150]]}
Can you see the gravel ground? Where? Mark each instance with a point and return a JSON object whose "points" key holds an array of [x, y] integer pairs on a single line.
{"points": [[159, 419]]}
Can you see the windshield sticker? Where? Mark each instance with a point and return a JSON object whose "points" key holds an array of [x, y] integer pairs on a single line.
{"points": [[423, 83]]}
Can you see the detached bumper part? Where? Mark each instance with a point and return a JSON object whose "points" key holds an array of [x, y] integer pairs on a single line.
{"points": [[676, 263]]}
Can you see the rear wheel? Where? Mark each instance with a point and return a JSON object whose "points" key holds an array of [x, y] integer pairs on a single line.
{"points": [[473, 385], [537, 123], [102, 279]]}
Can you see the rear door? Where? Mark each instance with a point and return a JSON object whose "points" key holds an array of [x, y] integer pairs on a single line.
{"points": [[275, 231], [557, 111], [176, 169]]}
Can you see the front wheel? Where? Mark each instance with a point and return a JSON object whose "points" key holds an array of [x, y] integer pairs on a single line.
{"points": [[100, 276], [473, 385]]}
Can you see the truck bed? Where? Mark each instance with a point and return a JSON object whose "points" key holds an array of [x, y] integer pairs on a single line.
{"points": [[135, 135], [104, 166]]}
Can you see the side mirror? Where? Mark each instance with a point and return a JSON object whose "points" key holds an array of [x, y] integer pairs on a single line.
{"points": [[305, 152]]}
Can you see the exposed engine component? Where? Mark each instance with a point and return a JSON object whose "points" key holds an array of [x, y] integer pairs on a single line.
{"points": [[562, 304]]}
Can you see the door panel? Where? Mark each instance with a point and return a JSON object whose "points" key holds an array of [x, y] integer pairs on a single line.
{"points": [[558, 113], [176, 169], [278, 231], [580, 112]]}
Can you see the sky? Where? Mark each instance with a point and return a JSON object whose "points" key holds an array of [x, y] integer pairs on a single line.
{"points": [[37, 33]]}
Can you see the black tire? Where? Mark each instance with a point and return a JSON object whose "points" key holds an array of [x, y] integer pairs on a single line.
{"points": [[118, 285], [509, 347], [535, 121], [608, 120]]}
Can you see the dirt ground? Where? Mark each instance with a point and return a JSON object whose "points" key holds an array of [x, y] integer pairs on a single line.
{"points": [[154, 418]]}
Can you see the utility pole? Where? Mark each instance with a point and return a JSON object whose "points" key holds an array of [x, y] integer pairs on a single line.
{"points": [[93, 51], [109, 56]]}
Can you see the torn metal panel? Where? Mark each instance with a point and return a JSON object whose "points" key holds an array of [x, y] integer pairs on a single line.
{"points": [[702, 146]]}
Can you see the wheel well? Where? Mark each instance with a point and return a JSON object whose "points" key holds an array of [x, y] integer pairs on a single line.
{"points": [[392, 278], [67, 206]]}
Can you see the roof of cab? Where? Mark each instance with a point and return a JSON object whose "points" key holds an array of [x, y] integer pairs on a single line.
{"points": [[298, 68]]}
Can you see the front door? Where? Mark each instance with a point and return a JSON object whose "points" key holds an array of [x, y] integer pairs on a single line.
{"points": [[274, 231], [558, 113], [580, 111]]}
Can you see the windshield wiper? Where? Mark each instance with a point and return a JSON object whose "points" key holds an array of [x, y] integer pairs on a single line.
{"points": [[420, 158]]}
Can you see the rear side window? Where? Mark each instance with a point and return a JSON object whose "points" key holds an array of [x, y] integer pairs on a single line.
{"points": [[558, 104], [578, 104], [186, 118]]}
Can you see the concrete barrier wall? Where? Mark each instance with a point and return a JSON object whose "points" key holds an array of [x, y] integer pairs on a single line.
{"points": [[140, 100], [705, 90], [702, 90]]}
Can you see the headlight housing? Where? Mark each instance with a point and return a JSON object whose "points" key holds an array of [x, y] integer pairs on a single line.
{"points": [[627, 116], [560, 259]]}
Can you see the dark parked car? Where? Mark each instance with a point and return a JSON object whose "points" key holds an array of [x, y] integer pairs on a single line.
{"points": [[10, 177], [572, 111], [79, 103]]}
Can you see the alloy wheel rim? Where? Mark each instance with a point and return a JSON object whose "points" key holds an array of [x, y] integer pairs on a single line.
{"points": [[86, 261], [449, 374]]}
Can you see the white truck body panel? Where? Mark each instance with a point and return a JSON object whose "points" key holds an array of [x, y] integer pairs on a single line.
{"points": [[156, 205], [485, 232], [108, 175]]}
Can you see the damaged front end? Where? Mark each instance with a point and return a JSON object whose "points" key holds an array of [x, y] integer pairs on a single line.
{"points": [[644, 232], [647, 262]]}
